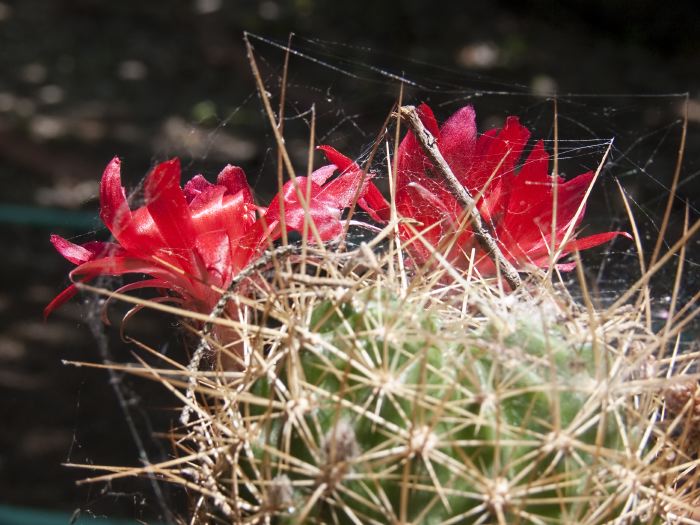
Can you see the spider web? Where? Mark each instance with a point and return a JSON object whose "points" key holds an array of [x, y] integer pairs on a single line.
{"points": [[352, 89]]}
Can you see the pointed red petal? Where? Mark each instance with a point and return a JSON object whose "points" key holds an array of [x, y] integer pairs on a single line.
{"points": [[196, 185], [343, 189], [103, 249], [528, 219], [412, 163], [146, 283], [214, 249], [321, 175], [542, 258], [428, 224], [206, 210], [168, 206], [239, 214], [496, 147], [60, 299], [290, 197], [428, 119], [372, 200], [543, 262], [565, 267], [73, 252], [142, 237], [323, 213], [458, 139], [592, 240], [257, 238], [121, 266], [114, 209], [133, 231], [427, 199], [435, 208], [232, 216], [531, 183], [484, 142], [375, 204], [233, 179], [569, 197], [325, 205], [335, 157]]}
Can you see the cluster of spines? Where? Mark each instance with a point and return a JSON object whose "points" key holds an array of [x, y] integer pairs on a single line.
{"points": [[379, 406]]}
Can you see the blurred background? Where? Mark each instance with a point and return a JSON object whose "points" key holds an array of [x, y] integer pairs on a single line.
{"points": [[84, 80]]}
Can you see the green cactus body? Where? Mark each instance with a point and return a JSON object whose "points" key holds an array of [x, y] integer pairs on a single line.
{"points": [[377, 415]]}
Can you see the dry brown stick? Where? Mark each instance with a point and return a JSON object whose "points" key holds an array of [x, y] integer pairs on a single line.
{"points": [[485, 239]]}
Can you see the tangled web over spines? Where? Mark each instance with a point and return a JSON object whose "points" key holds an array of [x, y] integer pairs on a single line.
{"points": [[645, 130], [366, 402], [628, 164]]}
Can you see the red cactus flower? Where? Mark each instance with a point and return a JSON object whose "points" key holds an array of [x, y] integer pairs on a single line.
{"points": [[517, 204], [190, 239]]}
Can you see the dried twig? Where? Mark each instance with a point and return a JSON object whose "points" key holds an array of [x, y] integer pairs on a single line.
{"points": [[485, 239]]}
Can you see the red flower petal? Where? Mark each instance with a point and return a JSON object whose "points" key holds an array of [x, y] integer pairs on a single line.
{"points": [[73, 252], [325, 203], [438, 213], [531, 183], [239, 213], [233, 179], [124, 265], [134, 231], [185, 239], [375, 204], [592, 241], [65, 296], [195, 186], [569, 197], [146, 283], [114, 209], [142, 236], [578, 244], [458, 139], [323, 212], [167, 205], [207, 210], [412, 164], [501, 151], [518, 206], [214, 250], [321, 175], [528, 222], [371, 200], [344, 189], [290, 197], [342, 162]]}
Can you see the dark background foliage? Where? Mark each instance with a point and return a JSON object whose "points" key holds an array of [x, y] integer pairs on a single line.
{"points": [[83, 80]]}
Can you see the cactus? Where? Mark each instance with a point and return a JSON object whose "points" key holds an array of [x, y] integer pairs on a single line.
{"points": [[365, 400]]}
